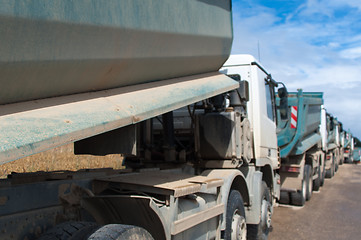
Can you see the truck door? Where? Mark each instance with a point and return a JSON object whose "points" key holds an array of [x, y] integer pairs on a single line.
{"points": [[264, 121]]}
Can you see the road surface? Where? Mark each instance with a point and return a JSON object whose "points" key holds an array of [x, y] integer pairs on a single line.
{"points": [[332, 213]]}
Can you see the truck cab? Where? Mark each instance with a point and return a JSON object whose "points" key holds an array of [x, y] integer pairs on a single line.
{"points": [[261, 106]]}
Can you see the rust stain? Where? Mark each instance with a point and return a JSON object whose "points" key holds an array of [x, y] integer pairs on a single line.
{"points": [[3, 200], [135, 119], [63, 188]]}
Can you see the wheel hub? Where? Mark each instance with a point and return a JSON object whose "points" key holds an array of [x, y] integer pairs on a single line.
{"points": [[239, 227], [304, 186], [266, 213]]}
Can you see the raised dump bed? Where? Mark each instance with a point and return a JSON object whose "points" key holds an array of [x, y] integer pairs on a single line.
{"points": [[142, 59], [298, 132], [54, 48]]}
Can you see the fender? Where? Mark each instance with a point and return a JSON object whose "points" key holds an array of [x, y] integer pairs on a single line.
{"points": [[233, 179]]}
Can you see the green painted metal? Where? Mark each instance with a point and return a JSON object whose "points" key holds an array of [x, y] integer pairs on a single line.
{"points": [[60, 47], [297, 141], [307, 143], [347, 138], [357, 154], [35, 126]]}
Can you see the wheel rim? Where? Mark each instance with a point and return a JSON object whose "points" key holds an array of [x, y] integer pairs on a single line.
{"points": [[310, 183], [304, 185], [266, 215], [239, 227]]}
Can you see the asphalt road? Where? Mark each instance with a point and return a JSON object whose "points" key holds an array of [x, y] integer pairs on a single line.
{"points": [[332, 213]]}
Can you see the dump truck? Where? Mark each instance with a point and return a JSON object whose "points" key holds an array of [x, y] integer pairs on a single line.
{"points": [[117, 77], [348, 146], [299, 140], [333, 153], [356, 156]]}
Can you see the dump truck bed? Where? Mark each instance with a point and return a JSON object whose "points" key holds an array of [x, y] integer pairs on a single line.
{"points": [[70, 70], [56, 48], [299, 132]]}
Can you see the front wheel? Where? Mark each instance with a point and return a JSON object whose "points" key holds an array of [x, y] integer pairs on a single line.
{"points": [[120, 232], [236, 227], [260, 231]]}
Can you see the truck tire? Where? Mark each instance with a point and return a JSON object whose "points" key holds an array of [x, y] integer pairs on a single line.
{"points": [[260, 231], [323, 175], [337, 160], [299, 198], [70, 231], [120, 232], [342, 159], [309, 181], [236, 227], [284, 197], [317, 181], [331, 172]]}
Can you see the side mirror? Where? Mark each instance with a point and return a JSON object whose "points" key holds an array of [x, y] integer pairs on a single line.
{"points": [[332, 124], [283, 107]]}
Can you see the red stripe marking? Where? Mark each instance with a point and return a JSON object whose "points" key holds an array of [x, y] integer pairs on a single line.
{"points": [[294, 117]]}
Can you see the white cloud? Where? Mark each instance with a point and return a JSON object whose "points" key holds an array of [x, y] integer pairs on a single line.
{"points": [[351, 53], [306, 53]]}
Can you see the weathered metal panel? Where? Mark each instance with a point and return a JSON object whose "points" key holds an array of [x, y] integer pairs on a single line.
{"points": [[27, 197], [307, 143], [141, 211], [31, 127], [60, 47], [164, 183]]}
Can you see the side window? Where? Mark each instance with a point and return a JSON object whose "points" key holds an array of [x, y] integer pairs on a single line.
{"points": [[269, 101], [236, 77]]}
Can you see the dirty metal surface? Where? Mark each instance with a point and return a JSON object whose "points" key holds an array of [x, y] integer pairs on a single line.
{"points": [[56, 48], [31, 127], [27, 197], [166, 183]]}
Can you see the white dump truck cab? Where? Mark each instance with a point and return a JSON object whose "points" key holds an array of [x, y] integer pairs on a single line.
{"points": [[261, 115], [260, 107]]}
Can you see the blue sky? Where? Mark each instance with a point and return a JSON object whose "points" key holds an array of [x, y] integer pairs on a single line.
{"points": [[310, 44]]}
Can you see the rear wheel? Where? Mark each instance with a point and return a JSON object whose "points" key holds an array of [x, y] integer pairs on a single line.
{"points": [[342, 159], [317, 181], [70, 231], [261, 230], [299, 198], [331, 172], [284, 197], [309, 187], [120, 232], [323, 174], [337, 160], [236, 227]]}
